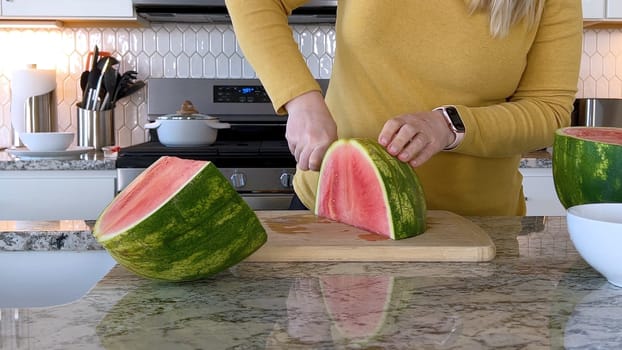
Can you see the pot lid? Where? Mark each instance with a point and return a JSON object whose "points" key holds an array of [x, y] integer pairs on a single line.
{"points": [[187, 112]]}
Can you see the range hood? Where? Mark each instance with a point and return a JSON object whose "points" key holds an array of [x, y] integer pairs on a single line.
{"points": [[215, 11]]}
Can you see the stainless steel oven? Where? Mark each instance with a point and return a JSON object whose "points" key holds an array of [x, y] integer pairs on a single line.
{"points": [[253, 154]]}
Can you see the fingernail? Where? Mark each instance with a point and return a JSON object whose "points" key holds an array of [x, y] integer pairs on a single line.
{"points": [[393, 150], [383, 141], [403, 156]]}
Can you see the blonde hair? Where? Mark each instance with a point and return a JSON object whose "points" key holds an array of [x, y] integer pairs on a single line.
{"points": [[505, 13]]}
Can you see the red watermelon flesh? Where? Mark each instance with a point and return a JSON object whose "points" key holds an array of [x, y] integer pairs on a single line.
{"points": [[150, 190], [362, 185], [357, 304], [354, 182], [606, 135]]}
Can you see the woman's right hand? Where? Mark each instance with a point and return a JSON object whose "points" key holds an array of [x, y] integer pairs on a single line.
{"points": [[310, 129]]}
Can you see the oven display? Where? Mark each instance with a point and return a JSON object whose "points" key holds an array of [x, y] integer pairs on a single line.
{"points": [[240, 94]]}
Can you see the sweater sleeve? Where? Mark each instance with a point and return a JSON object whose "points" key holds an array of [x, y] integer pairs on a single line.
{"points": [[268, 44], [544, 97]]}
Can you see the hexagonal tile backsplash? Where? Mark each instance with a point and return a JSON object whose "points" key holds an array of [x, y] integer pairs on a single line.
{"points": [[209, 51], [167, 50]]}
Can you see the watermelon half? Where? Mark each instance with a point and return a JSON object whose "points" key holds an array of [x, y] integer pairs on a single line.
{"points": [[587, 165], [179, 220], [362, 185]]}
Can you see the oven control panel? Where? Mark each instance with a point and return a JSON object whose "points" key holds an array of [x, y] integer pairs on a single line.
{"points": [[233, 100], [240, 94]]}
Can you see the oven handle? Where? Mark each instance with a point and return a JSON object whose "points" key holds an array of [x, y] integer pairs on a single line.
{"points": [[271, 201]]}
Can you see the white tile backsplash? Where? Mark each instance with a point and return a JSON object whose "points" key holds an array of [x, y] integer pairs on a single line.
{"points": [[210, 51], [167, 50], [601, 64]]}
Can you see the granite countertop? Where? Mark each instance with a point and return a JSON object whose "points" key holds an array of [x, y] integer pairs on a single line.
{"points": [[97, 161], [536, 159], [88, 161], [536, 294]]}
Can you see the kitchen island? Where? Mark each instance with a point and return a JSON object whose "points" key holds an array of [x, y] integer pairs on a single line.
{"points": [[33, 187], [537, 293]]}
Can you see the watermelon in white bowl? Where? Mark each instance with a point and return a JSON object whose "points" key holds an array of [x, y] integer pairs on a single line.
{"points": [[587, 165]]}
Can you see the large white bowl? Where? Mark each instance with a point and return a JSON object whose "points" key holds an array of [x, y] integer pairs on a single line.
{"points": [[46, 141], [48, 278], [596, 232]]}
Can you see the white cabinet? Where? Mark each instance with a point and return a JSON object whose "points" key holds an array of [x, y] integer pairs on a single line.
{"points": [[540, 194], [67, 9], [55, 194], [602, 10], [594, 9], [614, 9]]}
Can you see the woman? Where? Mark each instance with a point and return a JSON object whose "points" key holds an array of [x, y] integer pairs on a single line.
{"points": [[506, 69]]}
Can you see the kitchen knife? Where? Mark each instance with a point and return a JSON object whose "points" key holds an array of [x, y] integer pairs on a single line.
{"points": [[95, 97]]}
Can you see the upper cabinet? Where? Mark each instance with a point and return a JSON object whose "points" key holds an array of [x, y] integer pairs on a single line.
{"points": [[614, 9], [602, 10], [67, 9], [594, 9]]}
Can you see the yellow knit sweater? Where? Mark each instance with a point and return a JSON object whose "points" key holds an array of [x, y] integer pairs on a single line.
{"points": [[400, 56]]}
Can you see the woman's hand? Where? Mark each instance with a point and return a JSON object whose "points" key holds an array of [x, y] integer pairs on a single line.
{"points": [[415, 138], [310, 129]]}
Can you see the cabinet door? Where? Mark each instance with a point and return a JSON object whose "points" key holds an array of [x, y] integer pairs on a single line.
{"points": [[614, 9], [55, 195], [60, 9], [594, 9], [540, 194]]}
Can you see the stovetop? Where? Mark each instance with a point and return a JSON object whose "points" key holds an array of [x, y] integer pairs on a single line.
{"points": [[256, 138], [224, 154]]}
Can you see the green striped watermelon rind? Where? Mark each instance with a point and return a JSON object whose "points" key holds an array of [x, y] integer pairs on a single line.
{"points": [[587, 171], [201, 230], [404, 196]]}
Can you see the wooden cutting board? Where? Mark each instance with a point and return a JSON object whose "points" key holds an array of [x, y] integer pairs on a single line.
{"points": [[301, 236]]}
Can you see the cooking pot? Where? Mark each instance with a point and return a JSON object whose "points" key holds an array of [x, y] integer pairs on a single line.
{"points": [[187, 128]]}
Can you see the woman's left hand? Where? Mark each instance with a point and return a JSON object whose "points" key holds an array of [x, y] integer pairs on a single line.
{"points": [[415, 138]]}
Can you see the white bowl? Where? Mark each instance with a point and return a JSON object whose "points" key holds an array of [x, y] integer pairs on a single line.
{"points": [[596, 232], [48, 278], [46, 141]]}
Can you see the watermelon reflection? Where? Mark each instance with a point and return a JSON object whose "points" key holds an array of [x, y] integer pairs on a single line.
{"points": [[354, 311], [335, 311]]}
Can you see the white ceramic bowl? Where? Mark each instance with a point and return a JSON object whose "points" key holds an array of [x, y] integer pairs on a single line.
{"points": [[596, 232], [46, 141]]}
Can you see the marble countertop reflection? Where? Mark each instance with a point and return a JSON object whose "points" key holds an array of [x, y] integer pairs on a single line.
{"points": [[536, 294]]}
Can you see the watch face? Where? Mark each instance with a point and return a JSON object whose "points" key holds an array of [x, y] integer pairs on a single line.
{"points": [[455, 118]]}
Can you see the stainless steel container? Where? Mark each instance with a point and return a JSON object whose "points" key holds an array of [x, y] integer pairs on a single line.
{"points": [[33, 101], [95, 128], [597, 112], [39, 115]]}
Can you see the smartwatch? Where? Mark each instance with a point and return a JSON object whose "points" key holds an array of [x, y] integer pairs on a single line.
{"points": [[455, 124]]}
